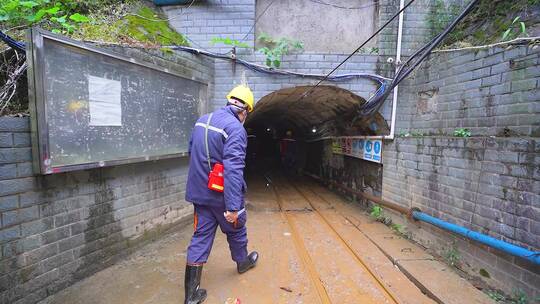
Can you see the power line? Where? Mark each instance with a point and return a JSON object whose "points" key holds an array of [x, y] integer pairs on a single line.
{"points": [[257, 20], [346, 7], [357, 49]]}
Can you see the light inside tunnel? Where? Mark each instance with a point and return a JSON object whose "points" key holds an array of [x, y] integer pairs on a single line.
{"points": [[289, 129]]}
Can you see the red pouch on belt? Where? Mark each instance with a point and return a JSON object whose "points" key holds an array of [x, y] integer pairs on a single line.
{"points": [[215, 178]]}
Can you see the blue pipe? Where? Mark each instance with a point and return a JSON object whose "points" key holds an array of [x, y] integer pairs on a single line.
{"points": [[533, 256]]}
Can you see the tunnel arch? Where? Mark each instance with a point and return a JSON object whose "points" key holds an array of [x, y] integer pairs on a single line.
{"points": [[326, 111]]}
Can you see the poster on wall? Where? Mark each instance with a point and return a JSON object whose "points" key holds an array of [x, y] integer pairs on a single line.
{"points": [[367, 149], [105, 101]]}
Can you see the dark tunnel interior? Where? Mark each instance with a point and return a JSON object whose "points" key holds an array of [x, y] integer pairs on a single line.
{"points": [[289, 129]]}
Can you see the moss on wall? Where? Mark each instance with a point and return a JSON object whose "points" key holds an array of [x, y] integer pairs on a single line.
{"points": [[146, 26], [490, 19]]}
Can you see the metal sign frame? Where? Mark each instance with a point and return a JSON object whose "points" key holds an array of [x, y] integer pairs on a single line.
{"points": [[38, 107]]}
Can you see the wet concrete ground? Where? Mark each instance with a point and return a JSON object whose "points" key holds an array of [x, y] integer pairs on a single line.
{"points": [[314, 248]]}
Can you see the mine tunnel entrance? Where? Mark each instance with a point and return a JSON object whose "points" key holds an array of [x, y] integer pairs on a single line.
{"points": [[289, 129]]}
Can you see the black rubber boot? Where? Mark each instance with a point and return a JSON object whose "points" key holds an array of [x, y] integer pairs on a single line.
{"points": [[194, 295], [249, 263]]}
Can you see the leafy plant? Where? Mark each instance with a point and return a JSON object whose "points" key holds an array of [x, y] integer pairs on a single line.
{"points": [[371, 50], [229, 41], [452, 256], [376, 212], [58, 16], [496, 296], [397, 228], [519, 297], [517, 28], [274, 49], [462, 132]]}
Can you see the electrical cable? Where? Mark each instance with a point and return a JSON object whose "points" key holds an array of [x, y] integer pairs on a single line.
{"points": [[375, 103], [357, 49], [252, 66], [345, 7], [385, 84], [14, 44], [257, 20], [382, 82], [264, 69]]}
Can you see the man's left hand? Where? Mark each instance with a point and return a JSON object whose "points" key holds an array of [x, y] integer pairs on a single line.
{"points": [[231, 216]]}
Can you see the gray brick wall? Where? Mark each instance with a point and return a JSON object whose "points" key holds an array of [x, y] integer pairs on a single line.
{"points": [[492, 92], [490, 182], [57, 229], [234, 19], [263, 84], [487, 184], [214, 18]]}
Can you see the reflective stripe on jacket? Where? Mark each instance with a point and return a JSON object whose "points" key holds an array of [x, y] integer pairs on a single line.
{"points": [[227, 143]]}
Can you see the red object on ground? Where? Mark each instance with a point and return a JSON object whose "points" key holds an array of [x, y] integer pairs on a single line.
{"points": [[215, 178]]}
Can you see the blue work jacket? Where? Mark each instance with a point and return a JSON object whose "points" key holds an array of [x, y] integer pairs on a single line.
{"points": [[227, 143]]}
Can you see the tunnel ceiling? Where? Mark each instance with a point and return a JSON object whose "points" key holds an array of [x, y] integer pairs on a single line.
{"points": [[324, 105]]}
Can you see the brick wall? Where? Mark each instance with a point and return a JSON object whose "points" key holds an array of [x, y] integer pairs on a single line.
{"points": [[492, 92], [203, 21], [234, 19], [490, 182], [487, 184], [57, 229], [263, 84]]}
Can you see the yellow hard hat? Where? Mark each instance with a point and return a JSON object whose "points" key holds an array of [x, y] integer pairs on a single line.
{"points": [[244, 94]]}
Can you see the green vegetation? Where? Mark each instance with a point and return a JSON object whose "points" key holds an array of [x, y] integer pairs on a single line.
{"points": [[376, 212], [452, 256], [491, 19], [371, 50], [517, 297], [397, 228], [412, 133], [145, 26], [274, 48], [229, 41], [516, 29], [496, 296], [484, 273], [462, 132], [128, 21], [59, 16]]}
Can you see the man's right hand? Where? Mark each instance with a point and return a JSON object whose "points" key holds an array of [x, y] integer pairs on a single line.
{"points": [[231, 216]]}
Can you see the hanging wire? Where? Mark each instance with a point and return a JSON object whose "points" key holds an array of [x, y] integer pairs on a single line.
{"points": [[257, 20], [374, 104], [346, 7]]}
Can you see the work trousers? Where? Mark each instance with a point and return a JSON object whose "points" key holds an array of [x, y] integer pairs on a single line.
{"points": [[206, 219]]}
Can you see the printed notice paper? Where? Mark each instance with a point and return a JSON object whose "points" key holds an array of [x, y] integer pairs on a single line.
{"points": [[104, 102]]}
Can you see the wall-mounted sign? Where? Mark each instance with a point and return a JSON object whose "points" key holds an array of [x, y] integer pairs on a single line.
{"points": [[364, 148]]}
